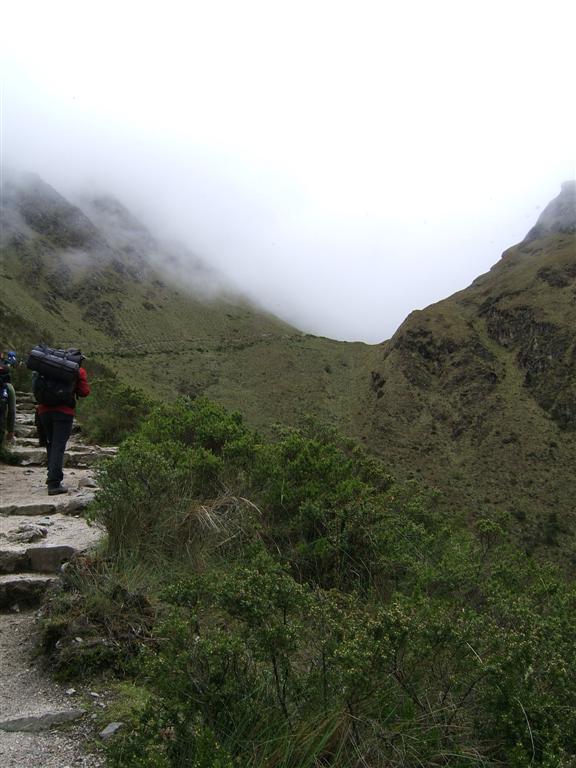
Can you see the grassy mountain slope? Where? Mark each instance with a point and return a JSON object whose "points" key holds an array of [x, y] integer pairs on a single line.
{"points": [[475, 394], [69, 282]]}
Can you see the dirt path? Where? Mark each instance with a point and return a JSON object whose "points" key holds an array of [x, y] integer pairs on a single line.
{"points": [[41, 726]]}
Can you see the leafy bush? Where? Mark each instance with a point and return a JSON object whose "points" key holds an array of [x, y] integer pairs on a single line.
{"points": [[318, 613], [113, 411]]}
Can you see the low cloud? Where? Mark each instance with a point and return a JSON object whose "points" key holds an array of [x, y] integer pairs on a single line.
{"points": [[338, 164]]}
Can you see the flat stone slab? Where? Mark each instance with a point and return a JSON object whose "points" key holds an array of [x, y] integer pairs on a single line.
{"points": [[36, 723], [25, 442], [75, 456], [65, 536], [26, 419], [23, 589], [24, 431], [67, 504], [13, 561], [23, 491], [30, 510]]}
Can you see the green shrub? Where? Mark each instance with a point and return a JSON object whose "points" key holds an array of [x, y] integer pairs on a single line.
{"points": [[113, 411], [317, 613]]}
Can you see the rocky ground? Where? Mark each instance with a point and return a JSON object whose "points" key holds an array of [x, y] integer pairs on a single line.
{"points": [[42, 725]]}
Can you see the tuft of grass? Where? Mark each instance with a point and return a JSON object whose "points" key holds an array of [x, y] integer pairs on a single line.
{"points": [[99, 621]]}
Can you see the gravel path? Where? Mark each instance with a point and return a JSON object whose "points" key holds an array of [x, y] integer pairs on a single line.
{"points": [[25, 690]]}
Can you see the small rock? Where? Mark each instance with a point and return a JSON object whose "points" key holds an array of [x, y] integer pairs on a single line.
{"points": [[70, 691], [110, 730], [78, 640], [27, 533], [87, 482], [15, 608], [94, 695]]}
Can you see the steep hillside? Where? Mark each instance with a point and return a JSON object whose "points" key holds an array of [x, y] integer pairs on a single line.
{"points": [[94, 281], [477, 393]]}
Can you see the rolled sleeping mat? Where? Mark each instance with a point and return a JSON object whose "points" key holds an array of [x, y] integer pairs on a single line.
{"points": [[55, 363]]}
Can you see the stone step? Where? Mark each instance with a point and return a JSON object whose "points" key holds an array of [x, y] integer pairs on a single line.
{"points": [[23, 431], [65, 504], [31, 509], [23, 589], [25, 419], [24, 412], [29, 440], [43, 544], [24, 488], [75, 443], [76, 456]]}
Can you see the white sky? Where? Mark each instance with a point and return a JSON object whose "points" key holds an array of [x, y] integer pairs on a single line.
{"points": [[344, 162]]}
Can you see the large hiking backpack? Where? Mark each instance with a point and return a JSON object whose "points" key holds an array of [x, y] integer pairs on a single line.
{"points": [[55, 375], [61, 364], [53, 392]]}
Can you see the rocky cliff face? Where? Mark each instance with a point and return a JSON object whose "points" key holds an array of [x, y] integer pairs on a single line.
{"points": [[30, 207], [559, 216], [477, 394]]}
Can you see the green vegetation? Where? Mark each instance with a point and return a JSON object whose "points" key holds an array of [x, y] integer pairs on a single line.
{"points": [[474, 395], [279, 600], [286, 603], [114, 410]]}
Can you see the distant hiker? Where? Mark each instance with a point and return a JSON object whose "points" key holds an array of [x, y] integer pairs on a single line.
{"points": [[7, 403], [57, 381]]}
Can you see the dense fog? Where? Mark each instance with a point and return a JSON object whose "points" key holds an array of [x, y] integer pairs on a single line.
{"points": [[341, 163]]}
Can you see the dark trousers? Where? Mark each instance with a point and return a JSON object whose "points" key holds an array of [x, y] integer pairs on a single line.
{"points": [[2, 426], [57, 428]]}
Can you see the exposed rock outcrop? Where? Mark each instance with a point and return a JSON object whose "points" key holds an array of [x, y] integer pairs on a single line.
{"points": [[559, 216]]}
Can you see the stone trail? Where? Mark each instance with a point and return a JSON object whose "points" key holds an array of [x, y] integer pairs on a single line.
{"points": [[38, 533]]}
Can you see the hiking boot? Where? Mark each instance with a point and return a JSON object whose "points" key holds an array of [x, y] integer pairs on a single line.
{"points": [[54, 490]]}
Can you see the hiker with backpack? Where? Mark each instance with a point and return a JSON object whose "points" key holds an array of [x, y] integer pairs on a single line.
{"points": [[57, 381], [7, 402]]}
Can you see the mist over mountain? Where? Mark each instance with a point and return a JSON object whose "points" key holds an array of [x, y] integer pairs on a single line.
{"points": [[381, 169], [322, 266], [475, 394]]}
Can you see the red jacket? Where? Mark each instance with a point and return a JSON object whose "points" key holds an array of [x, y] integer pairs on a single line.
{"points": [[82, 390]]}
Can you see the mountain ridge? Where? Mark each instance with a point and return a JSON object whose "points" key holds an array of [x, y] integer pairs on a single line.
{"points": [[474, 394]]}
